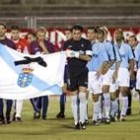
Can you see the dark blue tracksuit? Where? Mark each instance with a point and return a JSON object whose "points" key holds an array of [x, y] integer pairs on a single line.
{"points": [[41, 103]]}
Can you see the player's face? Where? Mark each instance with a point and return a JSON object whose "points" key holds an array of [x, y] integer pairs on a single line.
{"points": [[76, 34], [41, 35], [30, 38], [118, 35], [105, 34], [132, 42], [68, 34], [91, 35], [100, 37], [15, 34], [2, 31]]}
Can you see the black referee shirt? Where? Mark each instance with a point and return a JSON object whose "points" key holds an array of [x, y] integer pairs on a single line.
{"points": [[82, 46]]}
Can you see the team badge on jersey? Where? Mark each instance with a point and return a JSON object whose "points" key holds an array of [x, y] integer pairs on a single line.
{"points": [[25, 78]]}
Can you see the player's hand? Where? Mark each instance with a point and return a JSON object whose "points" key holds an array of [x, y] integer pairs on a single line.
{"points": [[99, 73], [68, 53], [41, 43], [71, 54]]}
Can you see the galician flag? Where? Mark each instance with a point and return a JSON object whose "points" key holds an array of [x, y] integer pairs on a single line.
{"points": [[24, 76]]}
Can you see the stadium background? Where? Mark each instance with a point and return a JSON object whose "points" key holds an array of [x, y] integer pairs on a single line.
{"points": [[56, 15]]}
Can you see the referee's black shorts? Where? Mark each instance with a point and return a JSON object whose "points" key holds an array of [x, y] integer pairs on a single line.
{"points": [[77, 78]]}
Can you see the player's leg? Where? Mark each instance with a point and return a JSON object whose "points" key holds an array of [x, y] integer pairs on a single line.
{"points": [[8, 110], [124, 93], [61, 114], [19, 106], [138, 86], [83, 83], [73, 87], [124, 83], [2, 119], [95, 88], [107, 78], [45, 103], [38, 106]]}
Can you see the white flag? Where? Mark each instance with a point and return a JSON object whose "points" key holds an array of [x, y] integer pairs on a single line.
{"points": [[24, 76]]}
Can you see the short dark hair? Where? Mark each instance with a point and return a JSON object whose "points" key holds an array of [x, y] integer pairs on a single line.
{"points": [[133, 36], [68, 29], [3, 24], [77, 27], [92, 28], [32, 33], [15, 27]]}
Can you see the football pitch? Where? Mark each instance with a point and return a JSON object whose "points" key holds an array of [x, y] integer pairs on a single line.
{"points": [[63, 129]]}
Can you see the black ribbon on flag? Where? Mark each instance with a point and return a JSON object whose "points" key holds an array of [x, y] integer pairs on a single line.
{"points": [[29, 60]]}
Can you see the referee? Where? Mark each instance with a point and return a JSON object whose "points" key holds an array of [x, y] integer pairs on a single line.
{"points": [[78, 51]]}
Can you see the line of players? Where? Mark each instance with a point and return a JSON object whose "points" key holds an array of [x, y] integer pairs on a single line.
{"points": [[111, 73]]}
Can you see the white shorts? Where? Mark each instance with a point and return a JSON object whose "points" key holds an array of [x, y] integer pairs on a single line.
{"points": [[138, 80], [123, 79], [107, 78], [94, 83], [113, 87]]}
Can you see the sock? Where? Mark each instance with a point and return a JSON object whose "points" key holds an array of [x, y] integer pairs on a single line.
{"points": [[124, 106], [114, 107], [96, 106], [129, 100], [82, 98], [74, 108], [86, 111], [19, 106], [107, 104], [100, 107]]}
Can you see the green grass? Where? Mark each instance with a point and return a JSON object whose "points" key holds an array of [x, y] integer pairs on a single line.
{"points": [[54, 129]]}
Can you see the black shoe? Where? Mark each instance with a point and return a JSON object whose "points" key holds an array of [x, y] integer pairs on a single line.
{"points": [[44, 118], [107, 121], [112, 119], [118, 115], [102, 120], [18, 119], [36, 115], [60, 115], [14, 117], [77, 126], [8, 120], [83, 126], [2, 121], [128, 111], [86, 122], [96, 123]]}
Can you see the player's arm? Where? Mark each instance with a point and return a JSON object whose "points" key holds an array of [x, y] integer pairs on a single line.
{"points": [[115, 74], [102, 69], [131, 66], [86, 56], [131, 62]]}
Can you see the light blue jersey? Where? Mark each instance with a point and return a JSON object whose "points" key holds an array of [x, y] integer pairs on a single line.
{"points": [[137, 55], [117, 57], [109, 50], [126, 54], [99, 56]]}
